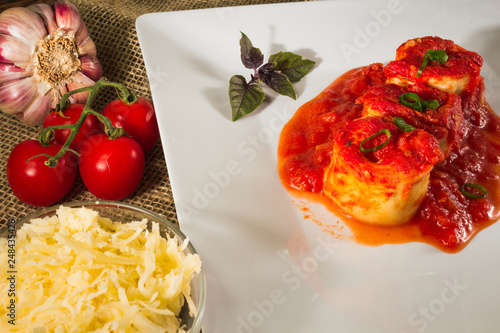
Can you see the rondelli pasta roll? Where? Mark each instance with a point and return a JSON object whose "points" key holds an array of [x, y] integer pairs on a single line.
{"points": [[379, 173], [451, 69], [411, 141], [435, 111]]}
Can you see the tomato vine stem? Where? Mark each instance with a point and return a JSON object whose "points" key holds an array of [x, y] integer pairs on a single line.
{"points": [[47, 134]]}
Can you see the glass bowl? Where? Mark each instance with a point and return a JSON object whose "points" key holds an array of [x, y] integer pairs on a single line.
{"points": [[123, 212]]}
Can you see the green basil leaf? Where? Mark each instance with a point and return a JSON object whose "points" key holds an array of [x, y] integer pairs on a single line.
{"points": [[243, 97], [280, 83], [251, 57], [292, 65]]}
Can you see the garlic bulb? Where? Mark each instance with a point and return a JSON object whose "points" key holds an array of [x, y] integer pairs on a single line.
{"points": [[44, 52]]}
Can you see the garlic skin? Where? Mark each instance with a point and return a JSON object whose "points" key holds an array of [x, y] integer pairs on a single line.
{"points": [[45, 51]]}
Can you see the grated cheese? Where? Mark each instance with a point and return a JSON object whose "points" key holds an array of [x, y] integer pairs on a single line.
{"points": [[80, 272]]}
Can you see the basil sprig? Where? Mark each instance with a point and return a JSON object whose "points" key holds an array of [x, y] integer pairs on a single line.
{"points": [[413, 101], [281, 70], [438, 56]]}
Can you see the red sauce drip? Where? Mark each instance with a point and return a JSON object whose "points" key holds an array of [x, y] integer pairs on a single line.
{"points": [[446, 218]]}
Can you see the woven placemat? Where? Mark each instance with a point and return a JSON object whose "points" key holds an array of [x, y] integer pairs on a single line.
{"points": [[111, 24]]}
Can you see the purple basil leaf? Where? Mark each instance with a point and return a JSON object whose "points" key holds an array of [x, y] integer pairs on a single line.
{"points": [[279, 83], [292, 65], [266, 69], [244, 97], [251, 57]]}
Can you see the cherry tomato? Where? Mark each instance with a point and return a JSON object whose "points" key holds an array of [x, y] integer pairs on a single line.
{"points": [[111, 169], [137, 119], [90, 126], [35, 183]]}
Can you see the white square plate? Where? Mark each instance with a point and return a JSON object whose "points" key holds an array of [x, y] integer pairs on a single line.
{"points": [[269, 267]]}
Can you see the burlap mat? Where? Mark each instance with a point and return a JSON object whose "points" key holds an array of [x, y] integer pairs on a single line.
{"points": [[111, 24]]}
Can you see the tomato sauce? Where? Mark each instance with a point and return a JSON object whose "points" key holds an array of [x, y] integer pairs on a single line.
{"points": [[446, 219]]}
